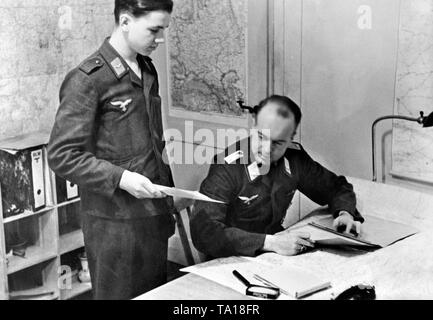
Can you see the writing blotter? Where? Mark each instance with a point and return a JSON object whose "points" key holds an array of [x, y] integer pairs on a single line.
{"points": [[375, 232]]}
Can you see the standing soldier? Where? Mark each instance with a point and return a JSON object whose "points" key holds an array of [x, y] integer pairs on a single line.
{"points": [[107, 138]]}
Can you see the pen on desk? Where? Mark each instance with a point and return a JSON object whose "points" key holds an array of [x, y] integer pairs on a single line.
{"points": [[241, 278], [268, 283]]}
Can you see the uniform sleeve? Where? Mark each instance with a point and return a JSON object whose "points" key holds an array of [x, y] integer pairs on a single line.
{"points": [[71, 138], [326, 188], [210, 230]]}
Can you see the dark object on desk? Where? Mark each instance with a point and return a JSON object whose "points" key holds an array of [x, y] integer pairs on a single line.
{"points": [[426, 122], [264, 292], [358, 292], [375, 233], [22, 178]]}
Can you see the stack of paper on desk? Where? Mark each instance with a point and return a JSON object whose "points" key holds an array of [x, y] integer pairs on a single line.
{"points": [[375, 232], [296, 282]]}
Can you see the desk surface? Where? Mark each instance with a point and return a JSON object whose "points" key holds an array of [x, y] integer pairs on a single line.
{"points": [[192, 287], [403, 270]]}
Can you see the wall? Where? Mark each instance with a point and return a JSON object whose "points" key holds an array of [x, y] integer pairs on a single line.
{"points": [[341, 67], [41, 41], [412, 144], [344, 77]]}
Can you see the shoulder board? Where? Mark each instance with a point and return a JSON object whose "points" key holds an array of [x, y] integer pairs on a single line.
{"points": [[295, 146], [91, 64]]}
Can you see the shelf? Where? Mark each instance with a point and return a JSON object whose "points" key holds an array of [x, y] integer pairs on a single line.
{"points": [[67, 203], [41, 293], [28, 213], [71, 241], [78, 288], [34, 255]]}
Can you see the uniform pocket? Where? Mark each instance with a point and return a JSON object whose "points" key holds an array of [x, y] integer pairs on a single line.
{"points": [[120, 133]]}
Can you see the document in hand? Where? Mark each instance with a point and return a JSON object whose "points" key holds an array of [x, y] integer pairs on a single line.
{"points": [[176, 192], [375, 233]]}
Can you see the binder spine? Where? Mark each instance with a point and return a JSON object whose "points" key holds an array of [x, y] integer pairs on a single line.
{"points": [[38, 179], [71, 190], [66, 190]]}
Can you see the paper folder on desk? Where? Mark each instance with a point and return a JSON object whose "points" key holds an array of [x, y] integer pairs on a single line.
{"points": [[297, 282], [375, 233]]}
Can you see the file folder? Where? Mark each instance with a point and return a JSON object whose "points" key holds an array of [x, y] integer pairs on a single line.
{"points": [[22, 173], [37, 169], [66, 190]]}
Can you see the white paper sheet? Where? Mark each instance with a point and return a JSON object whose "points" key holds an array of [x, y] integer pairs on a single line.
{"points": [[181, 193]]}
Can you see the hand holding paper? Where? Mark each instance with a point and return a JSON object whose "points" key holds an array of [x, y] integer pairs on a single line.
{"points": [[139, 186]]}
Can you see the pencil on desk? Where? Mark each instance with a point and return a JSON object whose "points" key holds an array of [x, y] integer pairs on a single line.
{"points": [[268, 283]]}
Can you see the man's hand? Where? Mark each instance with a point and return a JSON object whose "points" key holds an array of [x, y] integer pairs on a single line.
{"points": [[288, 243], [345, 220], [139, 186]]}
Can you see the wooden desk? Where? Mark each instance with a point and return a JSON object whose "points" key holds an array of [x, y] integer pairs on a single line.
{"points": [[403, 270]]}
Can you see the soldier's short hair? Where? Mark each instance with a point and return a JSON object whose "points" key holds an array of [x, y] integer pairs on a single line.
{"points": [[140, 7], [286, 104]]}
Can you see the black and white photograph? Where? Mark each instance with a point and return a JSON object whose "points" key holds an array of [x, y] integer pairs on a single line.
{"points": [[216, 154]]}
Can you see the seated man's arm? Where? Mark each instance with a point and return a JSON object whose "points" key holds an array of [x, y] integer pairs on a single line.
{"points": [[326, 188], [210, 229]]}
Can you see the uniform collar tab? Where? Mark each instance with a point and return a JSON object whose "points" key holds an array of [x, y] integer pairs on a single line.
{"points": [[118, 67], [114, 60]]}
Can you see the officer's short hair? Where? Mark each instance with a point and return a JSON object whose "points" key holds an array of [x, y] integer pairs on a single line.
{"points": [[140, 7], [286, 104]]}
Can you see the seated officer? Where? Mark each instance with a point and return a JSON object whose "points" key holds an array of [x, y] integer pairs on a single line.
{"points": [[257, 183]]}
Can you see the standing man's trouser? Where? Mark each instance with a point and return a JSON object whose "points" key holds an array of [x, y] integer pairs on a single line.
{"points": [[126, 257]]}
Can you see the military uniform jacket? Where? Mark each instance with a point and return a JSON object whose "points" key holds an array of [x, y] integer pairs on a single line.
{"points": [[109, 121], [255, 207]]}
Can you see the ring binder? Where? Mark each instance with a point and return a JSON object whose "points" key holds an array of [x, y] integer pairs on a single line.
{"points": [[66, 190], [22, 173]]}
